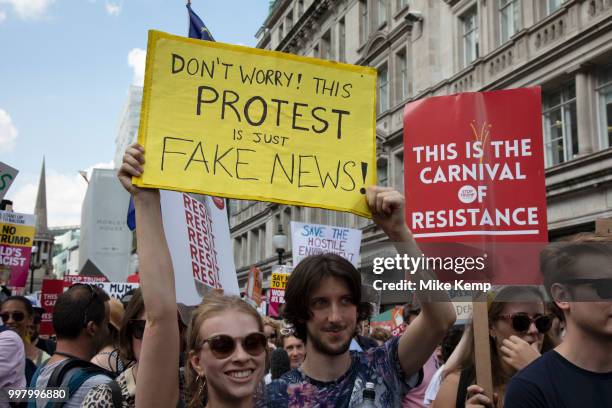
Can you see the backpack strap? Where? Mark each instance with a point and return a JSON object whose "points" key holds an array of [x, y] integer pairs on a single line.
{"points": [[116, 393], [78, 372]]}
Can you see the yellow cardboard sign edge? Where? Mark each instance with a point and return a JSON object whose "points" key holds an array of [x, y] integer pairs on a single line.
{"points": [[153, 37], [138, 182], [156, 35]]}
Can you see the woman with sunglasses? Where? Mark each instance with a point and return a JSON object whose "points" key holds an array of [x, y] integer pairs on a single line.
{"points": [[17, 314], [227, 353], [225, 341], [517, 324]]}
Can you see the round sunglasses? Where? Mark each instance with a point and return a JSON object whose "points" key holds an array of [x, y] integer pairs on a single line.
{"points": [[222, 345], [17, 316], [522, 321]]}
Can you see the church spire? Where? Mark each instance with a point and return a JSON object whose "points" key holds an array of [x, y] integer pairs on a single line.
{"points": [[41, 204]]}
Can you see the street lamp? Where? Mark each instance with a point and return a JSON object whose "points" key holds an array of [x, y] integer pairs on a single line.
{"points": [[280, 243], [33, 267]]}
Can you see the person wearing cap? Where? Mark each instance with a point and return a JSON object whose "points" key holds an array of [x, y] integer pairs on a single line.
{"points": [[108, 357]]}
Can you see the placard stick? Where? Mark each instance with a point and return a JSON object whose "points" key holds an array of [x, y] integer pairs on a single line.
{"points": [[482, 354]]}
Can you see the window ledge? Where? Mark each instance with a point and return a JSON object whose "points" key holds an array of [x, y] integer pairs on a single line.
{"points": [[401, 11]]}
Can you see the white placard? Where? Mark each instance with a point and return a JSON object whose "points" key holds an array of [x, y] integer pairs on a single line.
{"points": [[116, 289], [200, 245], [313, 239]]}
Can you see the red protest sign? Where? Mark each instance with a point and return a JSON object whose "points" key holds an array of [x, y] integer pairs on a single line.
{"points": [[51, 289], [474, 173]]}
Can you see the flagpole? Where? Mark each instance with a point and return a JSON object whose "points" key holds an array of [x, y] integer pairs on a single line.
{"points": [[188, 17]]}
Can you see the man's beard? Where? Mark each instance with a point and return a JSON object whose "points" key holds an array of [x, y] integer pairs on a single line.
{"points": [[325, 349]]}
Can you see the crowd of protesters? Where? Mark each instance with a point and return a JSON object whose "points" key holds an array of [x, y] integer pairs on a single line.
{"points": [[548, 348]]}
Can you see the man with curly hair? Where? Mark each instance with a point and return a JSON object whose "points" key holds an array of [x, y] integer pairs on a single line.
{"points": [[323, 302]]}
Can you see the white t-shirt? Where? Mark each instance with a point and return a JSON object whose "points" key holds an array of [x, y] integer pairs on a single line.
{"points": [[434, 386], [79, 395]]}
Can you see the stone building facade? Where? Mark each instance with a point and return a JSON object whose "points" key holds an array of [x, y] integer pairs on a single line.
{"points": [[423, 48]]}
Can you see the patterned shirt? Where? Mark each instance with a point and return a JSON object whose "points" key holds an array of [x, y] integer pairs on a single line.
{"points": [[379, 365], [102, 395]]}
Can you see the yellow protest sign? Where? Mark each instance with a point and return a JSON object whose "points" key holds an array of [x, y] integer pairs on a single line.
{"points": [[16, 238], [278, 280], [247, 123]]}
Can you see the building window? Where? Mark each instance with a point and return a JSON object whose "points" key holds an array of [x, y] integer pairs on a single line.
{"points": [[326, 48], [280, 33], [383, 89], [233, 205], [342, 41], [604, 91], [382, 12], [509, 18], [469, 23], [398, 164], [364, 31], [262, 243], [560, 125], [401, 68], [244, 250], [300, 8], [552, 6], [315, 51], [289, 22], [382, 172], [401, 4]]}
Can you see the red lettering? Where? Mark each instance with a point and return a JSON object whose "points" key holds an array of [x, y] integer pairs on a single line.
{"points": [[190, 233], [187, 201], [193, 250], [196, 270], [189, 218]]}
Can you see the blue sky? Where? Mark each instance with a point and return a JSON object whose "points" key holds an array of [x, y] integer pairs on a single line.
{"points": [[65, 69]]}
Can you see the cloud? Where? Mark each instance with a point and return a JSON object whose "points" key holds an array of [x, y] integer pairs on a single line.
{"points": [[65, 193], [113, 9], [8, 132], [2, 16], [29, 9], [136, 59]]}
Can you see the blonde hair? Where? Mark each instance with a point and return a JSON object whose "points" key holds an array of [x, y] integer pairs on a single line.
{"points": [[276, 325], [195, 389]]}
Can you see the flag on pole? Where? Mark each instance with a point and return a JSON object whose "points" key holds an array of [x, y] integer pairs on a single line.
{"points": [[131, 215], [197, 29]]}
